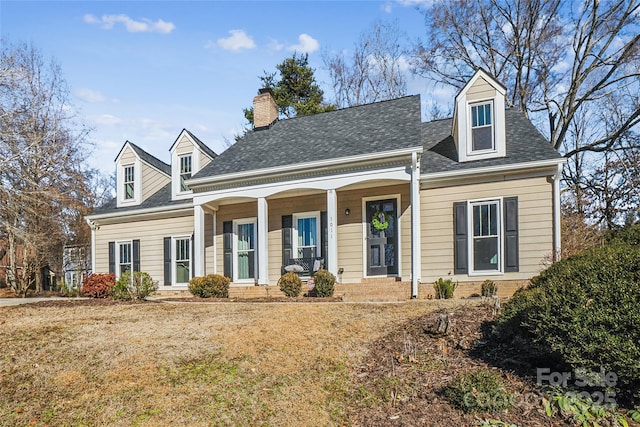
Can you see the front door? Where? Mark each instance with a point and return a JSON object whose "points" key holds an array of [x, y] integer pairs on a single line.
{"points": [[382, 237]]}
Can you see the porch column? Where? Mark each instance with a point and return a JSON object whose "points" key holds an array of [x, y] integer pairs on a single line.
{"points": [[332, 232], [198, 240], [415, 225], [263, 234]]}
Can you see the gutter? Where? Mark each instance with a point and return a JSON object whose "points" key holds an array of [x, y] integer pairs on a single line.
{"points": [[492, 169], [194, 182], [159, 209]]}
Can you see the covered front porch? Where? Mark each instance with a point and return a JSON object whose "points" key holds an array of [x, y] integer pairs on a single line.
{"points": [[362, 225]]}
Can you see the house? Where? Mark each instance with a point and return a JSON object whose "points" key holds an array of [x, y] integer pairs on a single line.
{"points": [[385, 202]]}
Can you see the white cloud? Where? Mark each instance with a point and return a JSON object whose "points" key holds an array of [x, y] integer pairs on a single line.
{"points": [[237, 40], [105, 120], [387, 7], [306, 44], [144, 25], [275, 45], [89, 95]]}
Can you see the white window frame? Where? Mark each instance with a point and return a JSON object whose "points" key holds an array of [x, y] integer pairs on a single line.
{"points": [[236, 223], [471, 237], [493, 149], [176, 187], [305, 215], [174, 259], [137, 184], [180, 172], [118, 245]]}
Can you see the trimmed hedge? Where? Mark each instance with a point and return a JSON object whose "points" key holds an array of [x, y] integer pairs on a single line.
{"points": [[98, 285], [210, 286], [582, 312], [324, 284], [290, 284]]}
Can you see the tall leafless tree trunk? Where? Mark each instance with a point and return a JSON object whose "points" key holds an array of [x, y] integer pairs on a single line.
{"points": [[41, 153]]}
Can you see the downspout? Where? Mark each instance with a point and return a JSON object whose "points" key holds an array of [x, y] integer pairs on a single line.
{"points": [[557, 245], [415, 225]]}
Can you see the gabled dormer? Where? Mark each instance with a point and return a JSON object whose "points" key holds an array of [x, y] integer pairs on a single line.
{"points": [[188, 156], [139, 175], [479, 119]]}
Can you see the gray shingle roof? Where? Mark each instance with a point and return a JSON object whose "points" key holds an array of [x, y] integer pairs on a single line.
{"points": [[148, 158], [524, 144], [381, 126], [161, 198]]}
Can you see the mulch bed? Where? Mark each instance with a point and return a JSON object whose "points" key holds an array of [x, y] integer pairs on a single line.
{"points": [[400, 382]]}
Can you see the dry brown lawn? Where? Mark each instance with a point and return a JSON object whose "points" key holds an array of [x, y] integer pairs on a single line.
{"points": [[161, 364]]}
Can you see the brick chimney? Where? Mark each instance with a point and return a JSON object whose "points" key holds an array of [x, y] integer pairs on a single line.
{"points": [[265, 109]]}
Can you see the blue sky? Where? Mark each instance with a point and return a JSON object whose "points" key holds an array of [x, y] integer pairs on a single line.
{"points": [[143, 70]]}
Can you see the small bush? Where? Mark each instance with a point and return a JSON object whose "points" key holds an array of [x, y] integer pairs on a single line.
{"points": [[290, 284], [137, 286], [324, 284], [68, 290], [210, 286], [98, 285], [3, 283], [489, 288], [444, 288], [478, 391], [581, 313]]}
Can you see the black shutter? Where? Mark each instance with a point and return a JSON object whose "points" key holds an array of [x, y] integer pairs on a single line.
{"points": [[460, 236], [287, 239], [167, 261], [136, 255], [227, 229], [511, 246], [325, 239], [112, 257]]}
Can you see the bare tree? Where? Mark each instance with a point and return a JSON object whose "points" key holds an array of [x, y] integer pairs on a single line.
{"points": [[554, 57], [373, 72], [41, 153]]}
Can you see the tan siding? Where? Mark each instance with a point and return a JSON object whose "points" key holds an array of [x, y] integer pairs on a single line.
{"points": [[152, 181], [151, 234], [481, 89], [204, 160], [127, 157], [535, 225], [184, 146]]}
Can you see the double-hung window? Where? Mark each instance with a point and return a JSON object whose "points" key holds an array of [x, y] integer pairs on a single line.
{"points": [[125, 257], [306, 235], [185, 171], [182, 260], [486, 226], [129, 180], [482, 127], [245, 250]]}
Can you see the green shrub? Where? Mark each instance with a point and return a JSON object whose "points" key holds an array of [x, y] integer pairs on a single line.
{"points": [[137, 286], [210, 286], [290, 284], [478, 391], [324, 284], [98, 285], [489, 288], [582, 312], [444, 288], [68, 290]]}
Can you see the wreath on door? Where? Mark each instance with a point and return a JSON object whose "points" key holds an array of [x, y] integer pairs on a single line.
{"points": [[380, 220]]}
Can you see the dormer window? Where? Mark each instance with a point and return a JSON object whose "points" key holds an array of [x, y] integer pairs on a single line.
{"points": [[482, 127], [185, 171], [129, 182]]}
